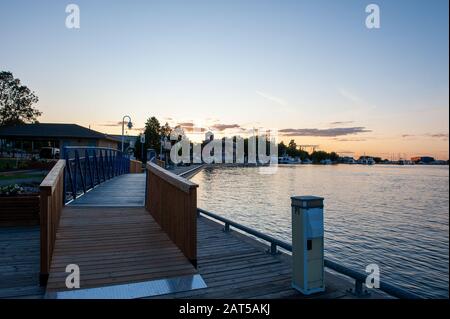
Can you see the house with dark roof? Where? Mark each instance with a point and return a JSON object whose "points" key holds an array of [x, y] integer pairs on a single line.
{"points": [[31, 137]]}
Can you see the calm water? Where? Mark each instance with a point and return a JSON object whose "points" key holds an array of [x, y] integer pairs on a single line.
{"points": [[394, 216]]}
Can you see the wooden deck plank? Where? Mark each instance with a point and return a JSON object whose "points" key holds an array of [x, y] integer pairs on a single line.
{"points": [[19, 262], [237, 266], [232, 265], [122, 191], [113, 246]]}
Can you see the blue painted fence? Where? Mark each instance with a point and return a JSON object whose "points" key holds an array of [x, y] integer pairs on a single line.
{"points": [[87, 167]]}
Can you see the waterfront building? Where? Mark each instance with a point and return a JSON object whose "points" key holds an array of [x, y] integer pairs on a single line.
{"points": [[30, 138]]}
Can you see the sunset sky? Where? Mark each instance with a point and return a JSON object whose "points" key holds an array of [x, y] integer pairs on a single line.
{"points": [[310, 69]]}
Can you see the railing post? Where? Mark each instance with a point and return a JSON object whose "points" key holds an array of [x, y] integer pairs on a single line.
{"points": [[105, 164], [102, 164], [87, 165], [72, 179], [273, 249], [64, 175], [119, 163], [118, 171], [226, 228], [78, 164], [358, 287], [111, 163], [114, 154]]}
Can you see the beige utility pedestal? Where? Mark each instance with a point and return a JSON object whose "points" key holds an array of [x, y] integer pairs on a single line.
{"points": [[307, 244]]}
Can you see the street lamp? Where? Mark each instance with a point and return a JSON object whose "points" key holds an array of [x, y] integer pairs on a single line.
{"points": [[130, 125]]}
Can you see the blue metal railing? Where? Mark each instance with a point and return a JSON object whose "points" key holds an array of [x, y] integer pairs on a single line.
{"points": [[87, 167], [359, 277]]}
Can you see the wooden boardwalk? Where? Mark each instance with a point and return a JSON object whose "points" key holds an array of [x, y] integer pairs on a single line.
{"points": [[113, 246], [19, 262], [233, 266], [237, 266], [122, 191]]}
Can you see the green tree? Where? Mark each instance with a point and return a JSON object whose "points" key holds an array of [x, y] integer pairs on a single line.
{"points": [[16, 101], [334, 157], [303, 154], [152, 134], [166, 130], [282, 149], [318, 156], [292, 149]]}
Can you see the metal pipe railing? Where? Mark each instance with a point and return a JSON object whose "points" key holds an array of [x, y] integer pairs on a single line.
{"points": [[359, 277], [197, 168], [92, 166]]}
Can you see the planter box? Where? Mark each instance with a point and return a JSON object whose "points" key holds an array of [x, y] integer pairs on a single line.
{"points": [[20, 210], [135, 167]]}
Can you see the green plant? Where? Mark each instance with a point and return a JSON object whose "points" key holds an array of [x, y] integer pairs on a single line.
{"points": [[9, 190]]}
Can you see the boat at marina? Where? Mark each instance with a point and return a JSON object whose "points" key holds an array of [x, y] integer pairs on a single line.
{"points": [[366, 161], [289, 160]]}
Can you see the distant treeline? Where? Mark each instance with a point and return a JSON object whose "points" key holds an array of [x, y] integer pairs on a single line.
{"points": [[316, 156], [292, 150], [154, 131]]}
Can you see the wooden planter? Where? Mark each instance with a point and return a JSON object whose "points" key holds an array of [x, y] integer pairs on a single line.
{"points": [[135, 167], [20, 210]]}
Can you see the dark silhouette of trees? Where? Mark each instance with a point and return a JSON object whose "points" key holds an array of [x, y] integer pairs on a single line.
{"points": [[153, 131], [16, 101], [282, 149]]}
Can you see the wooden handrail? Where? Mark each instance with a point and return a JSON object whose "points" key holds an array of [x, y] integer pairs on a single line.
{"points": [[51, 204], [182, 183], [172, 201], [48, 185]]}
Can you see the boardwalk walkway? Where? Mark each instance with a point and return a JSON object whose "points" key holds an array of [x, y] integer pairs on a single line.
{"points": [[236, 266], [122, 191], [113, 246], [19, 262]]}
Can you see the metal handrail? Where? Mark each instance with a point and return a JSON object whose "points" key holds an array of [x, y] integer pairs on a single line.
{"points": [[90, 168], [91, 148], [191, 170], [359, 277]]}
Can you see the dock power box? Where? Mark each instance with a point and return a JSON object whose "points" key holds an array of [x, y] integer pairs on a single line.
{"points": [[307, 244]]}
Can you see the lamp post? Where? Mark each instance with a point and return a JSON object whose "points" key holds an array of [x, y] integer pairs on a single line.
{"points": [[130, 125]]}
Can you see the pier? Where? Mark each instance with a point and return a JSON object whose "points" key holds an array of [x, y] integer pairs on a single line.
{"points": [[141, 235]]}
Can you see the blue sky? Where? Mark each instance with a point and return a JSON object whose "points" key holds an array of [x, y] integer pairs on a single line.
{"points": [[284, 64]]}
